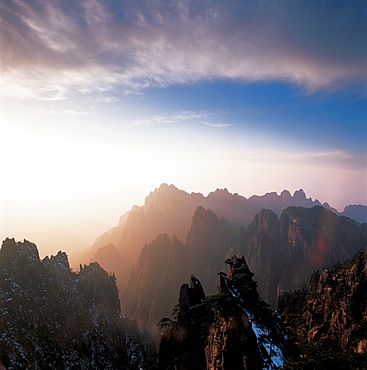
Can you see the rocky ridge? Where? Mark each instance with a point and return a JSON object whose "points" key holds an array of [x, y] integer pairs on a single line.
{"points": [[165, 262], [331, 314], [282, 252], [233, 329], [168, 210], [53, 318]]}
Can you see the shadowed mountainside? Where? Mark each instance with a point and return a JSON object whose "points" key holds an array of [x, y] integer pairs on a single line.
{"points": [[168, 210], [281, 252], [327, 322], [233, 329], [52, 318]]}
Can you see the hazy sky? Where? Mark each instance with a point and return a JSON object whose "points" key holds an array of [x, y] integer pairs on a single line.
{"points": [[102, 101]]}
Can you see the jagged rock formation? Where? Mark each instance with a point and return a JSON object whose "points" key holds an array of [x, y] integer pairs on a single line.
{"points": [[231, 330], [165, 262], [168, 210], [153, 284], [283, 252], [357, 212], [52, 318], [118, 264], [331, 315]]}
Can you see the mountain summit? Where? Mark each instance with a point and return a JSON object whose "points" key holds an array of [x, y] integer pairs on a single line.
{"points": [[169, 210]]}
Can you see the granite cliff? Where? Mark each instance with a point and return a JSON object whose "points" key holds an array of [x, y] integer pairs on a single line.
{"points": [[168, 210], [327, 322], [165, 262], [233, 329], [53, 318], [284, 251]]}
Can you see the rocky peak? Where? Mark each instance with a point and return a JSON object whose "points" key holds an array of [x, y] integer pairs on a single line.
{"points": [[332, 312], [59, 262], [285, 194], [197, 290], [15, 251], [50, 315], [221, 193], [190, 295], [299, 194], [357, 212], [231, 330], [266, 221]]}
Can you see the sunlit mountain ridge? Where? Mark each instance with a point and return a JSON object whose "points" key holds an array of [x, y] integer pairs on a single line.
{"points": [[284, 238]]}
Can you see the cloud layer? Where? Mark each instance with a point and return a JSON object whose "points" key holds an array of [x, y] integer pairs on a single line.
{"points": [[52, 48]]}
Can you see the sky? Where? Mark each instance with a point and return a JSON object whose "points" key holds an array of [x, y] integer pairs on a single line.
{"points": [[102, 101]]}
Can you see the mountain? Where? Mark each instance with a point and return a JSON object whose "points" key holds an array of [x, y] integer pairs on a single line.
{"points": [[165, 262], [327, 322], [283, 252], [356, 212], [322, 327], [233, 329], [53, 318], [168, 210]]}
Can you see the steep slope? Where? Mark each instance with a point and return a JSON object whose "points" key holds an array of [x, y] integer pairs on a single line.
{"points": [[263, 253], [150, 292], [283, 252], [357, 212], [52, 318], [168, 210], [110, 256], [330, 316], [231, 330], [165, 262], [208, 242]]}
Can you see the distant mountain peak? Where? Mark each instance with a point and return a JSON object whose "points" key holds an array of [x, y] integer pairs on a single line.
{"points": [[13, 250], [285, 193], [300, 194]]}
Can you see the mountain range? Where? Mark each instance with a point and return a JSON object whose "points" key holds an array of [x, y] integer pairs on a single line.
{"points": [[53, 318], [283, 237], [246, 258], [170, 210]]}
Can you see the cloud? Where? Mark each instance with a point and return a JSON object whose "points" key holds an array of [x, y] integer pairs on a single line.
{"points": [[63, 112], [49, 49], [216, 125], [172, 118], [317, 159]]}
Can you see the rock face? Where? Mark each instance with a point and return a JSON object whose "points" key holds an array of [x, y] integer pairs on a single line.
{"points": [[332, 312], [52, 318], [357, 212], [231, 330], [283, 252], [165, 262], [168, 210], [151, 290]]}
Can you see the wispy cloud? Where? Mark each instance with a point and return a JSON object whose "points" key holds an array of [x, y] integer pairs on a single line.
{"points": [[321, 158], [49, 48], [64, 112], [216, 125], [172, 118]]}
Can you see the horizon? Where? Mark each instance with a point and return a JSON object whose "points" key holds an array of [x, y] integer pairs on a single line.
{"points": [[101, 102], [81, 229]]}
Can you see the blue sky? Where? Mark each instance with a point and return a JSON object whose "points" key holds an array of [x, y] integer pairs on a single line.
{"points": [[102, 101]]}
